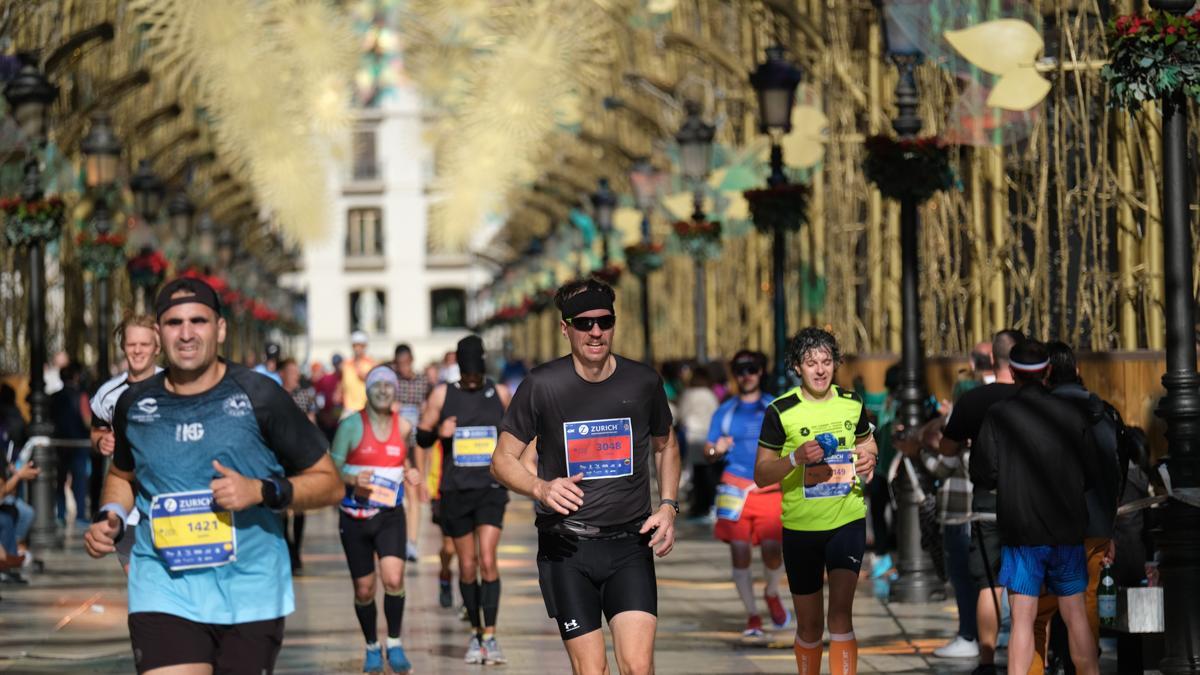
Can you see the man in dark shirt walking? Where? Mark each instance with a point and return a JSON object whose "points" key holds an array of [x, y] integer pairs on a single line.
{"points": [[1035, 450]]}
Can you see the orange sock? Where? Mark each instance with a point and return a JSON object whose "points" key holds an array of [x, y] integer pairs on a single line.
{"points": [[843, 654], [808, 657]]}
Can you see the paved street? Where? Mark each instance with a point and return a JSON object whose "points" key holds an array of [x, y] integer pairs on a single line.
{"points": [[72, 618]]}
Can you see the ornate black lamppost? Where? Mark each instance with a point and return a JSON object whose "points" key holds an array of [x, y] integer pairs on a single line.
{"points": [[918, 580], [148, 191], [604, 202], [180, 211], [645, 180], [1178, 535], [102, 154], [29, 97], [695, 139], [775, 82]]}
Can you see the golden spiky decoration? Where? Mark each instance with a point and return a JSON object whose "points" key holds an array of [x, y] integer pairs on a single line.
{"points": [[504, 74], [273, 76]]}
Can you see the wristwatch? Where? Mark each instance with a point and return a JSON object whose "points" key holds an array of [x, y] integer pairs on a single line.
{"points": [[276, 493], [671, 503]]}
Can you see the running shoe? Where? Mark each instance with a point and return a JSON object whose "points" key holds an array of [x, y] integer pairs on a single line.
{"points": [[753, 627], [398, 660], [958, 648], [492, 655], [780, 616], [445, 597], [373, 662], [474, 651], [882, 564], [411, 551], [462, 613], [984, 669]]}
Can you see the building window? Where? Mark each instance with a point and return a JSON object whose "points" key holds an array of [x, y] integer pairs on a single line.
{"points": [[366, 165], [449, 306], [368, 310], [364, 232]]}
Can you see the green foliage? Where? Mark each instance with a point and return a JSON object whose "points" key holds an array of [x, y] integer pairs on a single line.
{"points": [[1152, 58]]}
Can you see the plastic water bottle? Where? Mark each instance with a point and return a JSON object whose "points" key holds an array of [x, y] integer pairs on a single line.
{"points": [[1106, 597], [828, 442]]}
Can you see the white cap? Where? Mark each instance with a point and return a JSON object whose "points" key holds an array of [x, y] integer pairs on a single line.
{"points": [[358, 337]]}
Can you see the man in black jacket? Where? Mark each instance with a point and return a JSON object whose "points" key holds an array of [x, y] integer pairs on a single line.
{"points": [[1036, 451]]}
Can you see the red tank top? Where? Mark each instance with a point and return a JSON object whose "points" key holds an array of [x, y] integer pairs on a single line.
{"points": [[373, 452]]}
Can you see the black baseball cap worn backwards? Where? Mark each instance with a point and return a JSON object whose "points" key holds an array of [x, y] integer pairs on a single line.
{"points": [[196, 290]]}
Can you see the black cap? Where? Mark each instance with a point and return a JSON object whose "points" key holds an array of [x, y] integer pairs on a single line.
{"points": [[197, 291], [470, 355], [272, 350]]}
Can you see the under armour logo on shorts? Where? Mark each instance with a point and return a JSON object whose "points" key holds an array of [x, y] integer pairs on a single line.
{"points": [[571, 625]]}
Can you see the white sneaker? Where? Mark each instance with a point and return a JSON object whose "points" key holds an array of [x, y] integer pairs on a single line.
{"points": [[958, 648], [474, 651]]}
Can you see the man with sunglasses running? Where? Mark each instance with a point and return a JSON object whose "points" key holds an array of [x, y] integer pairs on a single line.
{"points": [[596, 417], [746, 514]]}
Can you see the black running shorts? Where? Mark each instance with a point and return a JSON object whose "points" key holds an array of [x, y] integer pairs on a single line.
{"points": [[384, 533], [582, 578], [162, 640], [983, 557], [808, 555], [464, 510], [435, 511]]}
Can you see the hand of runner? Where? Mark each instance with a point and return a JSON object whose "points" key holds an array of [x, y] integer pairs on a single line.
{"points": [[446, 430], [1110, 552], [811, 452], [561, 494], [27, 472], [107, 443], [865, 465], [99, 540], [362, 483], [233, 491], [723, 444], [663, 524], [412, 476]]}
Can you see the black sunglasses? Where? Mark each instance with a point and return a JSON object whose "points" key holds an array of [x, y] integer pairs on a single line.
{"points": [[584, 324], [747, 370]]}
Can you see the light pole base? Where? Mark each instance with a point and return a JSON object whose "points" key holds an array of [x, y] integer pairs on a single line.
{"points": [[919, 581], [1178, 541]]}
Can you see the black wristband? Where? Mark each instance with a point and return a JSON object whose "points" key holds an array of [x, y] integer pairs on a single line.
{"points": [[426, 439], [276, 493]]}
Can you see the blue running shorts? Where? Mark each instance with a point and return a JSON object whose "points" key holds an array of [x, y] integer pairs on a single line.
{"points": [[1062, 569]]}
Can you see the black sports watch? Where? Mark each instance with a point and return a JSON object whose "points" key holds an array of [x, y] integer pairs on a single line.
{"points": [[671, 503], [276, 493]]}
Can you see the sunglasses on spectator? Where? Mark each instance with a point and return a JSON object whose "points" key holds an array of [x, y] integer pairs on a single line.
{"points": [[584, 324], [746, 370]]}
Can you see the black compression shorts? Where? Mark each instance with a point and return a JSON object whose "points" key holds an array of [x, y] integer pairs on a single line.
{"points": [[808, 555], [162, 640], [384, 533], [582, 578], [435, 511], [985, 546], [462, 511]]}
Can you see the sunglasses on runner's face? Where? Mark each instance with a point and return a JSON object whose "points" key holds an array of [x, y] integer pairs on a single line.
{"points": [[747, 370], [584, 324]]}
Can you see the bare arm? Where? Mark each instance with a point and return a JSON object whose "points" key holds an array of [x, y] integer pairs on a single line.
{"points": [[100, 538], [662, 521], [505, 395], [432, 412], [316, 486], [770, 468], [563, 495]]}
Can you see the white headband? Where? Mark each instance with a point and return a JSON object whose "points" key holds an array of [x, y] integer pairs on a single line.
{"points": [[1029, 367]]}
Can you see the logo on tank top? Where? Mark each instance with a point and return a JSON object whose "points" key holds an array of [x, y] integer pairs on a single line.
{"points": [[237, 405], [489, 393], [147, 411], [393, 450]]}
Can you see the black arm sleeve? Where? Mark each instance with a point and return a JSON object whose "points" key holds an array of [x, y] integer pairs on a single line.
{"points": [[772, 435], [660, 411], [521, 418], [296, 442], [864, 424]]}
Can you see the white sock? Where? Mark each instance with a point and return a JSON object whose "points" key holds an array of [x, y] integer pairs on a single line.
{"points": [[393, 642], [372, 646], [773, 577], [744, 583]]}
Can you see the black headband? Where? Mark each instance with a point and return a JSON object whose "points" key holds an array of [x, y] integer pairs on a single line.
{"points": [[197, 291], [589, 299]]}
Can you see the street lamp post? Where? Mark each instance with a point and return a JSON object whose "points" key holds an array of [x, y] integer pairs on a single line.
{"points": [[645, 180], [775, 81], [29, 95], [918, 580], [695, 139], [102, 153], [1178, 535], [604, 202], [148, 190]]}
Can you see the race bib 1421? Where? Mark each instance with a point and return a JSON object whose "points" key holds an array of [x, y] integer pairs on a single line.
{"points": [[190, 531], [599, 448]]}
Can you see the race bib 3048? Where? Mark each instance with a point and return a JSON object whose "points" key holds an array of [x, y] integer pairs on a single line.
{"points": [[599, 448]]}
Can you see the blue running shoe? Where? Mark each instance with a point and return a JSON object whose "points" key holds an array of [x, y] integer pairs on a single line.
{"points": [[881, 566], [373, 662], [398, 660]]}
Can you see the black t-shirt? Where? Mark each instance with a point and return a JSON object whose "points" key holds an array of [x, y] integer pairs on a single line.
{"points": [[478, 413], [602, 429], [963, 427]]}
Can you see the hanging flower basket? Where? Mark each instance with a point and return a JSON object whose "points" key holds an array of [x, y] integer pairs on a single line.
{"points": [[543, 300], [147, 268], [644, 257], [1152, 57], [783, 207], [610, 275], [31, 222], [101, 254], [908, 168], [699, 238]]}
